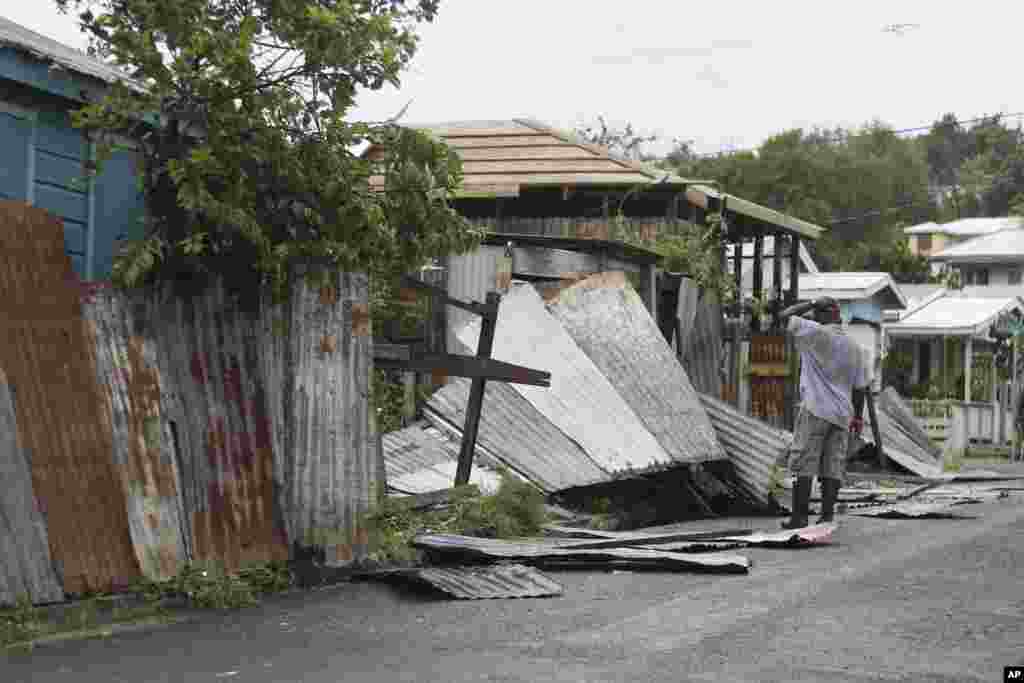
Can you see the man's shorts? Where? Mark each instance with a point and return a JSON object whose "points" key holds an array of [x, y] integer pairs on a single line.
{"points": [[819, 447]]}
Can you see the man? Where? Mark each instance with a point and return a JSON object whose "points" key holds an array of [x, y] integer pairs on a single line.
{"points": [[833, 370]]}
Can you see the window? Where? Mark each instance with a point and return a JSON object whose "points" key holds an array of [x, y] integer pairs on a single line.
{"points": [[924, 244], [968, 276], [1014, 277], [981, 276]]}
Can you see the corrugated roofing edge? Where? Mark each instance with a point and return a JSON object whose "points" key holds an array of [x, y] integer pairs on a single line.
{"points": [[48, 49], [698, 194], [902, 328]]}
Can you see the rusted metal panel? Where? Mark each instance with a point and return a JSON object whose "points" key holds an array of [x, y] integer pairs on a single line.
{"points": [[141, 436], [478, 582], [422, 458], [581, 401], [753, 447], [608, 321], [214, 401], [513, 432], [64, 426], [26, 568]]}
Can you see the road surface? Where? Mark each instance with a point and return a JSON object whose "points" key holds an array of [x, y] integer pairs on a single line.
{"points": [[911, 600]]}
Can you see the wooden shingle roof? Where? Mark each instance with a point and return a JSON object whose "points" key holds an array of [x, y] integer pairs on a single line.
{"points": [[502, 157]]}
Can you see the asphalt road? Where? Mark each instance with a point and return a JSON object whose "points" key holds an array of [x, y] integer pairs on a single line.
{"points": [[910, 600]]}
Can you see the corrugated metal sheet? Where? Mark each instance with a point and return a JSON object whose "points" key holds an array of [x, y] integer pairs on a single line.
{"points": [[470, 277], [702, 350], [329, 447], [580, 401], [480, 582], [516, 434], [752, 446], [608, 321], [892, 406], [214, 399], [27, 568], [40, 46], [543, 553], [422, 458], [160, 429], [914, 511], [142, 442], [63, 424]]}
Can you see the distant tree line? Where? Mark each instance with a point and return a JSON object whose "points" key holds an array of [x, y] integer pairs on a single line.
{"points": [[864, 184]]}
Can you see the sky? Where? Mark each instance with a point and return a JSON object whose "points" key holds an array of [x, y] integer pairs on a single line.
{"points": [[724, 75]]}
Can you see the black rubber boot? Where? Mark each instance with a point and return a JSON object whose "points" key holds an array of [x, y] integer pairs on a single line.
{"points": [[801, 503], [829, 495]]}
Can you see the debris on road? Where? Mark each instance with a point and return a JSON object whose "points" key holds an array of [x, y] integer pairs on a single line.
{"points": [[479, 582], [543, 553], [913, 511]]}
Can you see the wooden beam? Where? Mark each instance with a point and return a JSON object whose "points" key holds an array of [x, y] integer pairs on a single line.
{"points": [[437, 292], [777, 274], [755, 320], [476, 392], [794, 270], [468, 366]]}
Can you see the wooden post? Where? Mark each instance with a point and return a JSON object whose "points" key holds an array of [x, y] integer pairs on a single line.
{"points": [[488, 325], [794, 270], [968, 356], [777, 272], [755, 320]]}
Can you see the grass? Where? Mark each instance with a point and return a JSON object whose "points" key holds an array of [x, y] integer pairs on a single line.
{"points": [[204, 586], [515, 509]]}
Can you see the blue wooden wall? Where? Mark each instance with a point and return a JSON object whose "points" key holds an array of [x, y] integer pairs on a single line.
{"points": [[41, 162]]}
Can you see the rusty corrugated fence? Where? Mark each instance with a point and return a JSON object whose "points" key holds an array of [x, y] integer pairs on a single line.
{"points": [[161, 430]]}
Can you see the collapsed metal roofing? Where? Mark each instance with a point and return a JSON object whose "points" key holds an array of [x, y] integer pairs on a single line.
{"points": [[753, 447], [581, 401], [477, 582], [608, 321], [516, 434], [421, 458]]}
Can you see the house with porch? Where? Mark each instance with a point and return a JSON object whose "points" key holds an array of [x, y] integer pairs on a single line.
{"points": [[947, 339]]}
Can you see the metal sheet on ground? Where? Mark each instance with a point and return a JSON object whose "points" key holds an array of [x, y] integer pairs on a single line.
{"points": [[581, 401], [608, 321], [486, 582], [545, 555], [913, 511]]}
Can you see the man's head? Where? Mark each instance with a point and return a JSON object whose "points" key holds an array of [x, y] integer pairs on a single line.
{"points": [[826, 311]]}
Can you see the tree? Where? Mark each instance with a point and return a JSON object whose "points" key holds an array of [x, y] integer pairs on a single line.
{"points": [[247, 159], [860, 184], [624, 141]]}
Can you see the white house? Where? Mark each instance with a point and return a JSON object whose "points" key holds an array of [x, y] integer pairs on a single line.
{"points": [[996, 258], [926, 239]]}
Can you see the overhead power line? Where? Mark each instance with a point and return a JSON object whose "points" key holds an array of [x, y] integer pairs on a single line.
{"points": [[901, 131]]}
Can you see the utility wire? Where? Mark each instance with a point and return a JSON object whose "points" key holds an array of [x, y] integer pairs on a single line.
{"points": [[902, 131]]}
